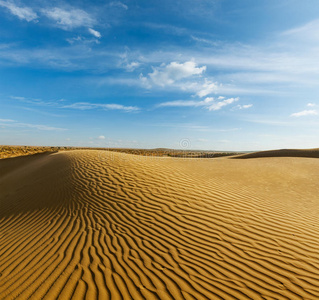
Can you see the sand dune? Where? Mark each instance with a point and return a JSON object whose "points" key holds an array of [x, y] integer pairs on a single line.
{"points": [[104, 225], [312, 153]]}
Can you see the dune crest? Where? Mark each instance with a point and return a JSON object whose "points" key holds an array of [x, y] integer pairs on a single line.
{"points": [[91, 224], [311, 153]]}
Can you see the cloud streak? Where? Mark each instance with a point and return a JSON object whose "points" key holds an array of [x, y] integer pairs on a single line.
{"points": [[89, 106], [244, 106], [22, 12], [209, 103], [95, 33], [78, 105], [16, 124], [69, 19], [118, 4], [305, 113]]}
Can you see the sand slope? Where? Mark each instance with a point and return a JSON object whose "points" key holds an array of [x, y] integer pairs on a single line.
{"points": [[311, 153], [106, 225]]}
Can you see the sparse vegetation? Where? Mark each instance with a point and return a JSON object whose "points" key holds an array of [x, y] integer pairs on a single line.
{"points": [[13, 151]]}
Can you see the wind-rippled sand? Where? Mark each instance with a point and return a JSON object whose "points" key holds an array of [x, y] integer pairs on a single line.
{"points": [[105, 225]]}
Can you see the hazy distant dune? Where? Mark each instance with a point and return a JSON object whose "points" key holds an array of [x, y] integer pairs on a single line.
{"points": [[99, 224], [14, 151], [313, 153]]}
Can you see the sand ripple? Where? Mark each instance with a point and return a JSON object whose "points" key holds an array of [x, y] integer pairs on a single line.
{"points": [[103, 225]]}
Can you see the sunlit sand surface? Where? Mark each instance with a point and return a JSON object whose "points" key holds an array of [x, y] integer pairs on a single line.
{"points": [[89, 224]]}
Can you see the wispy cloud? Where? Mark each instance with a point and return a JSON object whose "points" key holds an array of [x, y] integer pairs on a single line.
{"points": [[244, 106], [305, 113], [206, 41], [167, 28], [220, 104], [182, 103], [130, 67], [306, 31], [37, 102], [78, 105], [83, 40], [22, 12], [38, 111], [119, 4], [209, 103], [89, 106], [6, 120], [76, 56], [207, 88], [16, 124], [193, 127], [95, 33], [262, 120], [128, 64], [68, 19]]}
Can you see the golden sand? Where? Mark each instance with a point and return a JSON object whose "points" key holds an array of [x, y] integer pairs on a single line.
{"points": [[89, 224]]}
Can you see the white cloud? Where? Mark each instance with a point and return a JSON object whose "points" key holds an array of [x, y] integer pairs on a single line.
{"points": [[205, 41], [69, 19], [130, 67], [194, 127], [245, 106], [306, 31], [207, 88], [126, 61], [186, 77], [166, 75], [101, 137], [40, 127], [23, 13], [119, 4], [95, 33], [209, 103], [82, 40], [88, 106], [311, 104], [219, 105], [305, 113], [77, 105], [181, 103], [6, 120], [143, 80], [35, 101], [16, 124], [18, 98], [164, 27], [75, 39]]}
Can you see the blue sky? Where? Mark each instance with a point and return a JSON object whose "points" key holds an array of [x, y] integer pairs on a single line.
{"points": [[216, 75]]}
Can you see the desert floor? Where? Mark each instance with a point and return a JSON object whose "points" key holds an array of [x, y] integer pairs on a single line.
{"points": [[89, 224]]}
